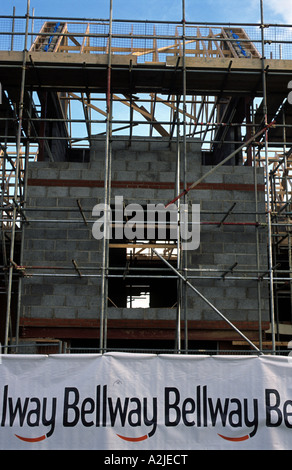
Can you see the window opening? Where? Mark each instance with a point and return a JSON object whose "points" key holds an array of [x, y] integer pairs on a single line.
{"points": [[138, 296], [142, 250], [138, 278]]}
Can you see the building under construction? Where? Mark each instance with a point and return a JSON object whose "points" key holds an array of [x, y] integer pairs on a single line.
{"points": [[99, 110]]}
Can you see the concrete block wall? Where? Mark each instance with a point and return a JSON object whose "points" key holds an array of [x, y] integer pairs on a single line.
{"points": [[223, 245], [55, 236], [143, 173]]}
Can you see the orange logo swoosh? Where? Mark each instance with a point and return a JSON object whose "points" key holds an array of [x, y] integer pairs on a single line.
{"points": [[31, 439], [133, 439], [234, 439]]}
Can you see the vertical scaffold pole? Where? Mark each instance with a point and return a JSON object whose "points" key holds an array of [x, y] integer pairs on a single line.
{"points": [[178, 264], [107, 188], [257, 235], [16, 183], [270, 254], [184, 254], [20, 282]]}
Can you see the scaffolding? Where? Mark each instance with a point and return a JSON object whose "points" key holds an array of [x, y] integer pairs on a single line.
{"points": [[251, 64]]}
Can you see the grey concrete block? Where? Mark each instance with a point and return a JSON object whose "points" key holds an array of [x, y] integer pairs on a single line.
{"points": [[33, 257], [62, 288], [48, 173], [95, 257], [224, 259], [246, 259], [70, 174], [81, 257], [78, 192], [212, 247], [248, 304], [31, 300], [36, 191], [58, 256], [41, 311], [78, 234], [77, 301], [65, 312], [140, 166], [39, 244], [42, 289], [169, 176], [124, 175], [56, 300], [114, 313], [57, 191]]}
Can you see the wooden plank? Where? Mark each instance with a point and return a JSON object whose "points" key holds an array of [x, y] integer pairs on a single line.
{"points": [[89, 105], [140, 109], [143, 245], [175, 108]]}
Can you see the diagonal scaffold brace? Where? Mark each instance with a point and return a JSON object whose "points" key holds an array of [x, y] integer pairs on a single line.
{"points": [[246, 143], [206, 300]]}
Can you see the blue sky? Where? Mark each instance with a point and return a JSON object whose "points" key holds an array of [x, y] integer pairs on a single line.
{"points": [[242, 11]]}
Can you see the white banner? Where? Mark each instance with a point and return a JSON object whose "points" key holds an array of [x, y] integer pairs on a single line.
{"points": [[138, 402]]}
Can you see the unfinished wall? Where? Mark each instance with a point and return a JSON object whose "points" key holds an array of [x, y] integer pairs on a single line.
{"points": [[143, 173]]}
